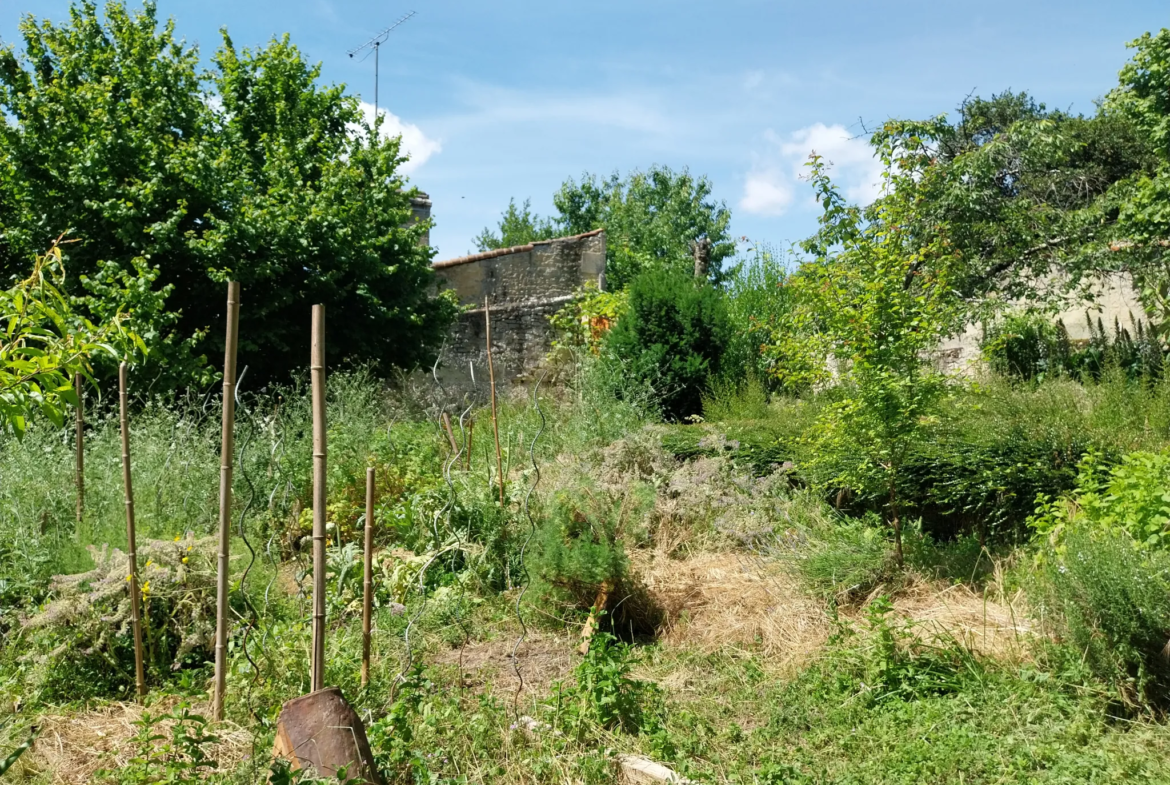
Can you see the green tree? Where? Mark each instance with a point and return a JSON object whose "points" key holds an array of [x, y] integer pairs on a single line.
{"points": [[671, 338], [1024, 191], [518, 226], [1143, 200], [874, 299], [253, 172], [650, 220]]}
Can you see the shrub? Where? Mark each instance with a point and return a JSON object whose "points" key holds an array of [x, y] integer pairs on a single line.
{"points": [[672, 338], [578, 545], [1110, 603]]}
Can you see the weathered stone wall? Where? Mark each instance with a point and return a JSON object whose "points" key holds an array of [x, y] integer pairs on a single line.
{"points": [[523, 285], [1114, 303]]}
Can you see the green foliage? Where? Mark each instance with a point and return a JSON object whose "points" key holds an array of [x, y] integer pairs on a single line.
{"points": [[672, 339], [758, 304], [518, 226], [876, 306], [45, 343], [578, 547], [181, 758], [650, 219], [1109, 602], [1029, 346], [1128, 498], [604, 695], [583, 321], [253, 172]]}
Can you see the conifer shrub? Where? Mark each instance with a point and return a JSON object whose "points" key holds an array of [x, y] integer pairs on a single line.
{"points": [[672, 338]]}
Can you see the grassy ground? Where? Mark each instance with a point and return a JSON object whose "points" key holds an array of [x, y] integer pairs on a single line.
{"points": [[761, 635]]}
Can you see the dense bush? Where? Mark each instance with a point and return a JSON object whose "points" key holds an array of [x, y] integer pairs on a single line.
{"points": [[672, 338]]}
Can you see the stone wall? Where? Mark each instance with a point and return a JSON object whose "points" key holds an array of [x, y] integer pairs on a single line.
{"points": [[523, 285], [1114, 303]]}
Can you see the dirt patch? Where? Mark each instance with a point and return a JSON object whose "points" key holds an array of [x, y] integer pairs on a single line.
{"points": [[541, 659], [71, 748], [713, 600]]}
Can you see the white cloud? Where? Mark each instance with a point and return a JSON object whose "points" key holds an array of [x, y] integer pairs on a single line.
{"points": [[766, 193], [854, 168], [415, 143]]}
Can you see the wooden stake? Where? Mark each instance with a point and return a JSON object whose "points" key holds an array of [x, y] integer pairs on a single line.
{"points": [[135, 619], [317, 373], [591, 623], [446, 420], [226, 461], [368, 582], [77, 388], [492, 378]]}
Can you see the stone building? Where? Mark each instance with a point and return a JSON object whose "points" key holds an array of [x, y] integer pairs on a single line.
{"points": [[523, 286]]}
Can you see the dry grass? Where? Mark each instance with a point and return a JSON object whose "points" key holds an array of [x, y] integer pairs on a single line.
{"points": [[542, 659], [997, 627], [712, 600], [71, 748]]}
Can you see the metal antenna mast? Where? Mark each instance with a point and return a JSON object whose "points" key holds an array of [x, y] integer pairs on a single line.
{"points": [[375, 43]]}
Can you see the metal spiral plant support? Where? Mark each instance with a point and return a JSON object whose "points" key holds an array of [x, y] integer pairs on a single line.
{"points": [[455, 457], [524, 547]]}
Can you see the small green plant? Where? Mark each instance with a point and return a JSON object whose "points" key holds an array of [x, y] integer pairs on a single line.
{"points": [[672, 339], [183, 756], [604, 694]]}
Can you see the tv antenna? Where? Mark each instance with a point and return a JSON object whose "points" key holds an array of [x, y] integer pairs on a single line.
{"points": [[375, 44]]}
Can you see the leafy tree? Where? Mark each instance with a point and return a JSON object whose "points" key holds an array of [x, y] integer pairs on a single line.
{"points": [[44, 343], [252, 172], [875, 299], [518, 226], [1024, 191], [671, 338], [1143, 200], [650, 219]]}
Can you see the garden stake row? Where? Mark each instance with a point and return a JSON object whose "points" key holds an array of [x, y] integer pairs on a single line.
{"points": [[487, 318], [227, 457], [132, 555]]}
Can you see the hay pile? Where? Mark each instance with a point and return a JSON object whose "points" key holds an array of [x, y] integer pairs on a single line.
{"points": [[712, 600], [72, 748]]}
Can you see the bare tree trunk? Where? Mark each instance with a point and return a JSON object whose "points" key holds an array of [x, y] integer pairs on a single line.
{"points": [[701, 248], [897, 523]]}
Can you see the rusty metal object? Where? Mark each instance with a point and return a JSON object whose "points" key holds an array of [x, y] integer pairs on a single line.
{"points": [[322, 733]]}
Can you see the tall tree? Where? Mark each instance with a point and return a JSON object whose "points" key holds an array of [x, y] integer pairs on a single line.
{"points": [[175, 180], [518, 226], [650, 219]]}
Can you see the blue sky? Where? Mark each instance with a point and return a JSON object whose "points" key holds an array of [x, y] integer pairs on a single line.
{"points": [[508, 98]]}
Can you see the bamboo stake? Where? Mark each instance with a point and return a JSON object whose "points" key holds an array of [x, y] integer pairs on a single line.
{"points": [[227, 456], [317, 373], [492, 378], [135, 619], [368, 582], [77, 388]]}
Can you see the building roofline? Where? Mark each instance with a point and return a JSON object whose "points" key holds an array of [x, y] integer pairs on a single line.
{"points": [[478, 257]]}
